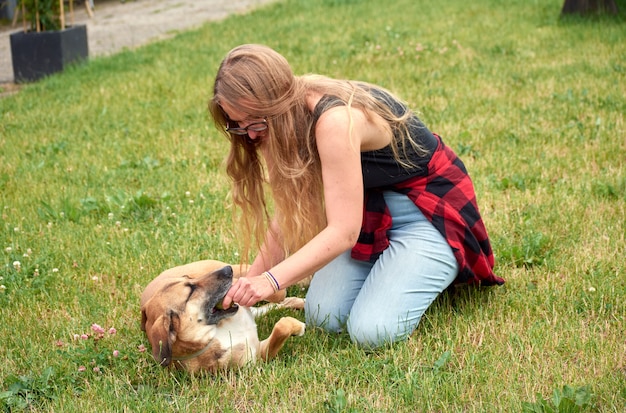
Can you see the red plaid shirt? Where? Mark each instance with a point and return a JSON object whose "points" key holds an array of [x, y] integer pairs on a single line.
{"points": [[446, 196]]}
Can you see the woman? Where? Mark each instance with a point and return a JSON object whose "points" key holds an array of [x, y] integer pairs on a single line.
{"points": [[364, 197]]}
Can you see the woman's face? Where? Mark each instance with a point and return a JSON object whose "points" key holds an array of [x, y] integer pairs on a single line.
{"points": [[240, 123]]}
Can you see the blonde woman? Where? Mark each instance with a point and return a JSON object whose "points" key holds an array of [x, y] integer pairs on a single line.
{"points": [[364, 197]]}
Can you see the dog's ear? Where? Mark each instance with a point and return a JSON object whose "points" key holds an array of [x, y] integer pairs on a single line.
{"points": [[145, 309], [161, 336], [144, 319]]}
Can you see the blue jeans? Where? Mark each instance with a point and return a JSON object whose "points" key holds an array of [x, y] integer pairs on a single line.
{"points": [[384, 302]]}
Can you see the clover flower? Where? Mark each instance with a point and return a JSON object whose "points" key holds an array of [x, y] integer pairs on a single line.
{"points": [[93, 351], [97, 329]]}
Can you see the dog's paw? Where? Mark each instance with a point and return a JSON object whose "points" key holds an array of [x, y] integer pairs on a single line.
{"points": [[301, 332], [295, 303], [278, 297], [294, 326]]}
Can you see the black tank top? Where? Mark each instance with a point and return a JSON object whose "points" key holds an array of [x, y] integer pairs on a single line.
{"points": [[379, 167]]}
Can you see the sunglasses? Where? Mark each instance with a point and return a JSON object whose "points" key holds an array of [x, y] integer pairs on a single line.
{"points": [[254, 127]]}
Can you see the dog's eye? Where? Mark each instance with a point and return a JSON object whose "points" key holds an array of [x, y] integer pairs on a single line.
{"points": [[192, 288]]}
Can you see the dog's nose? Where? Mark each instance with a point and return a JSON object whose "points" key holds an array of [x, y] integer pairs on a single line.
{"points": [[226, 272]]}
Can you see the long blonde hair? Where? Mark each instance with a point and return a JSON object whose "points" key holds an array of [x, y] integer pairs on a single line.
{"points": [[259, 81]]}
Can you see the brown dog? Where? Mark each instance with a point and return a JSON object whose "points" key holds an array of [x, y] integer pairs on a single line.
{"points": [[187, 328]]}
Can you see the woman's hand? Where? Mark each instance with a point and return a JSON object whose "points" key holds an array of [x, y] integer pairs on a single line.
{"points": [[247, 291]]}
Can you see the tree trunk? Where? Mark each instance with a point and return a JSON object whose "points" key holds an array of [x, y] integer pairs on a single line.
{"points": [[589, 6]]}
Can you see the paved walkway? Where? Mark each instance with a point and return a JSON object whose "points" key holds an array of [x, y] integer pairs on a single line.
{"points": [[116, 25]]}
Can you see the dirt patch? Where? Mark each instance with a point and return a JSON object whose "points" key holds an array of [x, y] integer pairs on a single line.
{"points": [[8, 89]]}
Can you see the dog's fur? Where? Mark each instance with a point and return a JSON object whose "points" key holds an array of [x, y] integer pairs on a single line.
{"points": [[187, 331]]}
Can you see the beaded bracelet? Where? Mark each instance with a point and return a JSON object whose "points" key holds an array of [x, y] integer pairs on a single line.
{"points": [[272, 280]]}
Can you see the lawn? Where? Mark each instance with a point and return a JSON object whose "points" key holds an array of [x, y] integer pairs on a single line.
{"points": [[112, 172]]}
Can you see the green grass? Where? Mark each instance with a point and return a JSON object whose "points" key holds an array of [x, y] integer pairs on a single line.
{"points": [[111, 172]]}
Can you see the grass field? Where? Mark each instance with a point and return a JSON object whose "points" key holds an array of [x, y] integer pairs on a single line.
{"points": [[111, 172]]}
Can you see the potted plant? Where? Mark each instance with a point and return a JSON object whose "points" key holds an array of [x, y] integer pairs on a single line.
{"points": [[46, 43]]}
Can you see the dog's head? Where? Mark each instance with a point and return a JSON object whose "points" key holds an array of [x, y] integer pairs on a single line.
{"points": [[182, 315]]}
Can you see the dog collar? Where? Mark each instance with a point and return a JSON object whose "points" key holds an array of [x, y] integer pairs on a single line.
{"points": [[193, 355]]}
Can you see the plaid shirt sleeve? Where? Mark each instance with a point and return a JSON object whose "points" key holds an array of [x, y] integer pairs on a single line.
{"points": [[446, 197]]}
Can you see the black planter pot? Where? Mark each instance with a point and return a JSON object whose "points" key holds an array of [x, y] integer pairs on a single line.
{"points": [[36, 55]]}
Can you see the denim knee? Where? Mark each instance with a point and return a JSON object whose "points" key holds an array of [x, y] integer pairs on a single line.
{"points": [[332, 292]]}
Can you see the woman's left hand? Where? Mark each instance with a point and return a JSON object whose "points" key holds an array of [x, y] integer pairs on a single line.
{"points": [[247, 291]]}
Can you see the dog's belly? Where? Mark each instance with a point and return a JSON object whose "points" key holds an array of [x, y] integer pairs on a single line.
{"points": [[237, 335]]}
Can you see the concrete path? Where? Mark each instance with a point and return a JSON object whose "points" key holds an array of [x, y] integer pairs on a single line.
{"points": [[116, 25]]}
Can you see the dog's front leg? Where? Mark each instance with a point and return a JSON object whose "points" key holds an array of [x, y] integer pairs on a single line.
{"points": [[283, 329], [294, 303]]}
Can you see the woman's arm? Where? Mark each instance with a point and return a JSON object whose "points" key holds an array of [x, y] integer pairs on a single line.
{"points": [[339, 138]]}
